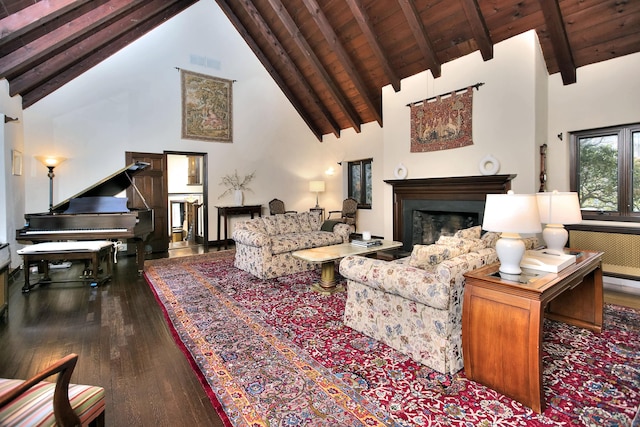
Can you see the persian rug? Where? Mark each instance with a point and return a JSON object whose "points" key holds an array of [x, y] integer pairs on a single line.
{"points": [[275, 353]]}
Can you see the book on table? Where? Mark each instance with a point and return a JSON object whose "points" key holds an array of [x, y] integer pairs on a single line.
{"points": [[548, 261], [366, 243]]}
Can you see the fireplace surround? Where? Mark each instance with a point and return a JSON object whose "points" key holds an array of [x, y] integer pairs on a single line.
{"points": [[434, 198]]}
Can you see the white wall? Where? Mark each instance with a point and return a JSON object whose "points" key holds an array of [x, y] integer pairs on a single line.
{"points": [[606, 94]]}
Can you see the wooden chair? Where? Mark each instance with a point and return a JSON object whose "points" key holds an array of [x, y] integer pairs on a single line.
{"points": [[347, 214], [276, 207], [42, 403]]}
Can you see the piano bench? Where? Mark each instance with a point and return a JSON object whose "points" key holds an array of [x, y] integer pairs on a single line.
{"points": [[42, 253]]}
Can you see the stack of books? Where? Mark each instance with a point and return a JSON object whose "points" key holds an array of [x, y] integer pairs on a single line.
{"points": [[366, 243], [547, 261]]}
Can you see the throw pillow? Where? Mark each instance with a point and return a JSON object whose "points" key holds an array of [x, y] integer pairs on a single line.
{"points": [[270, 225], [469, 233], [315, 221], [424, 256], [466, 245], [287, 223], [490, 238], [254, 225], [303, 220]]}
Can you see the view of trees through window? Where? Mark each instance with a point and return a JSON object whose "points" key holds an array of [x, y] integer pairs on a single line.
{"points": [[360, 182], [605, 171]]}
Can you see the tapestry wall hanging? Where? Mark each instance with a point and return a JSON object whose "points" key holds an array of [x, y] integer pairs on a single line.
{"points": [[442, 122], [207, 107]]}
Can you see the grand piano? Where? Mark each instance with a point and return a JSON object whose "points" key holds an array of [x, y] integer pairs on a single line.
{"points": [[95, 214]]}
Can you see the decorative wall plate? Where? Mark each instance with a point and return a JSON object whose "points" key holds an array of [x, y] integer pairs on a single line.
{"points": [[400, 172], [489, 165]]}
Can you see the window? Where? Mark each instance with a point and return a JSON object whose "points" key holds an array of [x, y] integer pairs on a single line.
{"points": [[360, 182], [605, 171]]}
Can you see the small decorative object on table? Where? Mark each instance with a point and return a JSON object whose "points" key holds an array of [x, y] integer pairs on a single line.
{"points": [[366, 243], [236, 185]]}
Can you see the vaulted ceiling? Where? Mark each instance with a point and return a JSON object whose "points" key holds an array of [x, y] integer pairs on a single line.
{"points": [[331, 58]]}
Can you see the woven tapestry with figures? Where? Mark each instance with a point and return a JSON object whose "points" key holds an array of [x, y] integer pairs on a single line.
{"points": [[443, 123]]}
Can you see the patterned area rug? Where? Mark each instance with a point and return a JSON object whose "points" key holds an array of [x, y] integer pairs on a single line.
{"points": [[275, 353]]}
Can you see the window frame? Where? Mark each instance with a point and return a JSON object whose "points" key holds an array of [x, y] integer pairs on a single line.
{"points": [[624, 133], [367, 187]]}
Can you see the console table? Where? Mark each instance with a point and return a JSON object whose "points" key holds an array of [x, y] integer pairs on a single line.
{"points": [[227, 211], [502, 322]]}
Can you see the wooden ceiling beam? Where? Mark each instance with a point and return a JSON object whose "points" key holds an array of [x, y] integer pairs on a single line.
{"points": [[28, 56], [289, 65], [420, 34], [347, 64], [335, 92], [170, 9], [559, 40], [40, 13], [46, 70], [478, 28], [366, 27]]}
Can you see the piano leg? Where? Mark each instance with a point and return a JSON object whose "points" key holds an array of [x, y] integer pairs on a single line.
{"points": [[140, 255]]}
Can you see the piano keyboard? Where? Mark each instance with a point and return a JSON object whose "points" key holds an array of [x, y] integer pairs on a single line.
{"points": [[72, 231]]}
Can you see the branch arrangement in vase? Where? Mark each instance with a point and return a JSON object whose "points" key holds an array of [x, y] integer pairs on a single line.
{"points": [[234, 182]]}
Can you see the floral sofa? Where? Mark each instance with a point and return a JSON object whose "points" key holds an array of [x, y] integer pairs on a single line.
{"points": [[414, 304], [264, 245]]}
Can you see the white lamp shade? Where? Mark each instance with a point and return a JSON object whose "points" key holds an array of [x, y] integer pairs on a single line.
{"points": [[511, 213], [316, 186], [559, 208]]}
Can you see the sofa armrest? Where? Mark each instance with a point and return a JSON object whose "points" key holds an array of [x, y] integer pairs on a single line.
{"points": [[411, 283], [251, 238], [343, 230]]}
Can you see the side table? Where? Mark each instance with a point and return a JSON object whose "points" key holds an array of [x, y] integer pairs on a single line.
{"points": [[321, 210], [227, 211], [502, 322]]}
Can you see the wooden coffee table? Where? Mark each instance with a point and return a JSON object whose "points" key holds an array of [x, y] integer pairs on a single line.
{"points": [[327, 255]]}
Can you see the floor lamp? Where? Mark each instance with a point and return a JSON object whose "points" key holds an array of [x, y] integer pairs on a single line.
{"points": [[50, 162]]}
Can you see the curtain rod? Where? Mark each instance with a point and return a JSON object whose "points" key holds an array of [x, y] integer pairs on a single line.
{"points": [[181, 69], [477, 86]]}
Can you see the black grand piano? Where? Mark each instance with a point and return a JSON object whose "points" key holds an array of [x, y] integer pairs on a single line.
{"points": [[95, 214]]}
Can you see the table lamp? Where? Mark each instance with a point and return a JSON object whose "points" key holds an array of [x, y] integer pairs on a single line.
{"points": [[511, 214], [557, 209], [50, 162], [316, 187]]}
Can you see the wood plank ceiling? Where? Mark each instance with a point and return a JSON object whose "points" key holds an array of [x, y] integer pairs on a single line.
{"points": [[331, 58]]}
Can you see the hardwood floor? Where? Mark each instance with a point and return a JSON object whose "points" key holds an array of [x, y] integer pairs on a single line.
{"points": [[123, 341], [119, 331]]}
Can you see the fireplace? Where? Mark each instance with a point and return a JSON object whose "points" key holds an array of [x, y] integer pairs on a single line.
{"points": [[424, 209]]}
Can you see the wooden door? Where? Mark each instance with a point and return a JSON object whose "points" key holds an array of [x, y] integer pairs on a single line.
{"points": [[152, 183]]}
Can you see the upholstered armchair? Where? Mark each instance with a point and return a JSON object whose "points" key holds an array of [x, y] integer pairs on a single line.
{"points": [[348, 213], [29, 402], [276, 207]]}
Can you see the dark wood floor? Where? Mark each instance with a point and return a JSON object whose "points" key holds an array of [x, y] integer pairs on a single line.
{"points": [[123, 341], [124, 345]]}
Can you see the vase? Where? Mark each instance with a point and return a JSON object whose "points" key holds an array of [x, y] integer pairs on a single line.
{"points": [[238, 196]]}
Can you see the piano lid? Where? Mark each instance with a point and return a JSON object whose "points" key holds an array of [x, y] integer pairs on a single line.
{"points": [[109, 186]]}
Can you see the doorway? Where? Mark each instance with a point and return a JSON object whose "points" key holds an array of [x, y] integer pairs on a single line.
{"points": [[187, 199]]}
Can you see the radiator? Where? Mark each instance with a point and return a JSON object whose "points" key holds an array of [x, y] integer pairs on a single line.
{"points": [[621, 251]]}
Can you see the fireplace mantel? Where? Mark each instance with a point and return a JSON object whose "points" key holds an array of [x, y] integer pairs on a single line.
{"points": [[472, 189]]}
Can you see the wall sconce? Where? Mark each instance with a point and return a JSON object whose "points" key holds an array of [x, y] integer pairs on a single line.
{"points": [[557, 209], [51, 162], [316, 187], [511, 214], [330, 171]]}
